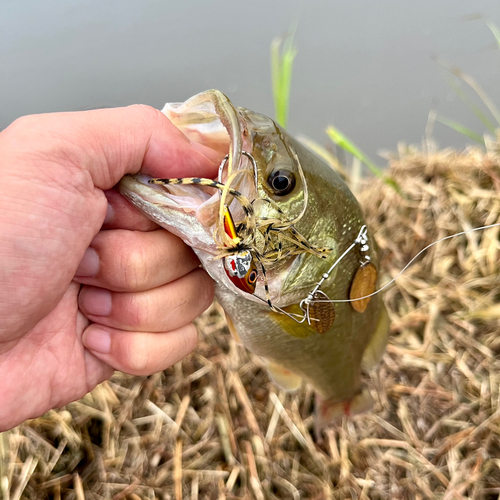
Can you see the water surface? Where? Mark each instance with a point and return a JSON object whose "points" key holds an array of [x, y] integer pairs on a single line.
{"points": [[366, 66]]}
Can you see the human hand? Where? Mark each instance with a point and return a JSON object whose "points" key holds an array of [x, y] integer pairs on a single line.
{"points": [[141, 285]]}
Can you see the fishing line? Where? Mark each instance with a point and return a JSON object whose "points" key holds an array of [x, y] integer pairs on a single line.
{"points": [[407, 265]]}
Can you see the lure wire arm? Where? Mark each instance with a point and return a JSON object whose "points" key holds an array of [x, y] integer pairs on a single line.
{"points": [[254, 165], [461, 233], [361, 239], [312, 296]]}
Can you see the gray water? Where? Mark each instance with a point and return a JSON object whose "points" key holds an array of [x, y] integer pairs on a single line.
{"points": [[366, 66]]}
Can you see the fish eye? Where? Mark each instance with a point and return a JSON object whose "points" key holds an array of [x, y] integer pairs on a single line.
{"points": [[281, 181], [252, 277]]}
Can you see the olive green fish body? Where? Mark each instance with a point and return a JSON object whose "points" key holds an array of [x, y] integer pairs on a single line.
{"points": [[296, 217], [331, 362]]}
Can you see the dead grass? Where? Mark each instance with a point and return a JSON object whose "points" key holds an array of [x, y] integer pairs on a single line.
{"points": [[214, 426]]}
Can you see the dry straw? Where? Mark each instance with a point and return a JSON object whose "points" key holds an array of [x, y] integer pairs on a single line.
{"points": [[214, 426]]}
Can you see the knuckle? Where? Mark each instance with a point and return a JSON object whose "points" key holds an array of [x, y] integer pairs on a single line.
{"points": [[20, 124], [147, 113], [138, 313], [25, 125], [189, 338], [136, 357], [205, 288], [135, 268]]}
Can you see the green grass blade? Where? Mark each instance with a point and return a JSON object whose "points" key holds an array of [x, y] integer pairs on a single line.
{"points": [[323, 153], [492, 26], [494, 29], [276, 76], [461, 129], [475, 87], [343, 142], [475, 109], [283, 54]]}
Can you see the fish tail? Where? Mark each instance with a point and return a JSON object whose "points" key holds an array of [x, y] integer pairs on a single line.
{"points": [[329, 410]]}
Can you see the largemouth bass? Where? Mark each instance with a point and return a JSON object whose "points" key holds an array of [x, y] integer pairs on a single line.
{"points": [[283, 237]]}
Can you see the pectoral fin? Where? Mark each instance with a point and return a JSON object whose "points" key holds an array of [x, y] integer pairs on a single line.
{"points": [[283, 377], [288, 325], [375, 349], [232, 330]]}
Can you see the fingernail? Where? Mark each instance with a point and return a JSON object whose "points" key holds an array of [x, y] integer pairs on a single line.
{"points": [[109, 214], [89, 266], [95, 301], [97, 340]]}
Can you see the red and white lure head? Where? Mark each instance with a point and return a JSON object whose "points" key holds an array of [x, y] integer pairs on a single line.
{"points": [[240, 266]]}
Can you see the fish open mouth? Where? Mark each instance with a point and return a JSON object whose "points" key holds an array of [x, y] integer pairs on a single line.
{"points": [[193, 210]]}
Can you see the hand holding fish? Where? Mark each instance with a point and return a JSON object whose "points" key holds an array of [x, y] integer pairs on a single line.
{"points": [[60, 229]]}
